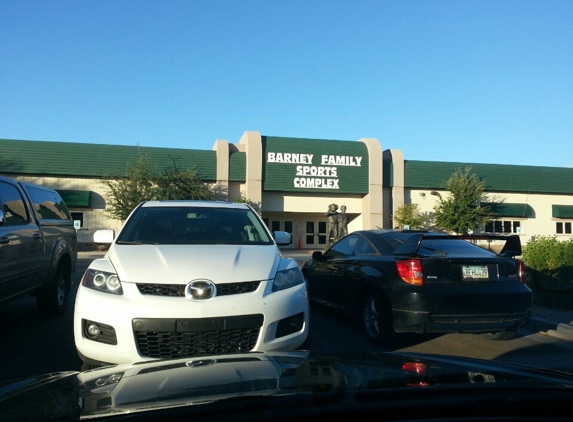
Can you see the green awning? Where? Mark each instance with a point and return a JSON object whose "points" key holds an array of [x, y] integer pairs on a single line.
{"points": [[562, 211], [511, 210], [76, 198]]}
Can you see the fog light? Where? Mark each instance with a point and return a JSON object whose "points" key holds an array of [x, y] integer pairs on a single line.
{"points": [[101, 333], [92, 330], [290, 325]]}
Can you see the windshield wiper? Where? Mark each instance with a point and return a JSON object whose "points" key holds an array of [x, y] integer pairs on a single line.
{"points": [[137, 242]]}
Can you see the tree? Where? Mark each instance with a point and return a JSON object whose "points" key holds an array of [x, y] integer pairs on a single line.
{"points": [[464, 208], [142, 183], [255, 205], [126, 192], [409, 215], [429, 220], [178, 183]]}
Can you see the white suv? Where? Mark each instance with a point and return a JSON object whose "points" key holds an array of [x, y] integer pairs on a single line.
{"points": [[189, 278]]}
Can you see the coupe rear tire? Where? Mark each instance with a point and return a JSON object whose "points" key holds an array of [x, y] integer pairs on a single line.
{"points": [[377, 320], [52, 300]]}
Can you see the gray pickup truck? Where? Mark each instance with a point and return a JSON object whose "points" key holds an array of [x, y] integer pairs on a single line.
{"points": [[38, 246]]}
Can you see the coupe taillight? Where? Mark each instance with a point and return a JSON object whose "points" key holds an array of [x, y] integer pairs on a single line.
{"points": [[520, 271], [411, 271]]}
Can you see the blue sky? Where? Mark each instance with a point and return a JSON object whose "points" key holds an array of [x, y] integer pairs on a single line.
{"points": [[461, 81]]}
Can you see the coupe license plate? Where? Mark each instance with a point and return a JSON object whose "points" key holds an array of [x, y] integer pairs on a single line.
{"points": [[474, 271]]}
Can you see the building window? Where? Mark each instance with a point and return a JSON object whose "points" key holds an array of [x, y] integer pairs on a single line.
{"points": [[563, 227], [503, 226], [275, 226], [78, 216]]}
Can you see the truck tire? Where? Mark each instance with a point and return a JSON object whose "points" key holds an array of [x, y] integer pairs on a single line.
{"points": [[52, 300]]}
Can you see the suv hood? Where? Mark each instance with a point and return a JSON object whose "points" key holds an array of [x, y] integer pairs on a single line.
{"points": [[172, 264]]}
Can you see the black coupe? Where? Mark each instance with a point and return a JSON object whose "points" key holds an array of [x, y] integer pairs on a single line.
{"points": [[408, 281]]}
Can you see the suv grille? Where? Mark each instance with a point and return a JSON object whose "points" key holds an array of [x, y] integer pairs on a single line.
{"points": [[178, 290], [169, 338]]}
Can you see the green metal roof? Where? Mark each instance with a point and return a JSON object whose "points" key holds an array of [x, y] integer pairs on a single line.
{"points": [[387, 173], [562, 211], [497, 177], [238, 167], [95, 160]]}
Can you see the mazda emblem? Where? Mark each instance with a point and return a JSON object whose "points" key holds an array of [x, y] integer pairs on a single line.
{"points": [[200, 290]]}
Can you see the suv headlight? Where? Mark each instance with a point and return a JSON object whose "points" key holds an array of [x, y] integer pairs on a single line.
{"points": [[288, 278], [102, 281]]}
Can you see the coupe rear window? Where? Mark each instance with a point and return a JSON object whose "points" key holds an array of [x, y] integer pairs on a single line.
{"points": [[453, 248], [446, 247]]}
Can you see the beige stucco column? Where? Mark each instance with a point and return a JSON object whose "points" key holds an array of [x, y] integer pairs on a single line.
{"points": [[251, 144], [372, 202], [221, 147]]}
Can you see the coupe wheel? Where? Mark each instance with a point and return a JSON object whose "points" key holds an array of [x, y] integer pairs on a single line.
{"points": [[377, 320]]}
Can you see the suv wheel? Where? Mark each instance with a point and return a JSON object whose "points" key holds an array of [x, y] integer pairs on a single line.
{"points": [[52, 300]]}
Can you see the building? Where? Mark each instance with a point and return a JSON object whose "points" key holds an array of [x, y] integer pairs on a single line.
{"points": [[294, 181]]}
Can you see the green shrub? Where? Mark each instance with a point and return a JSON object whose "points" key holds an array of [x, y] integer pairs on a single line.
{"points": [[549, 267]]}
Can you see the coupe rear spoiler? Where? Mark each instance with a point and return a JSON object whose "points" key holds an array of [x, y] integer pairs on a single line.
{"points": [[511, 248]]}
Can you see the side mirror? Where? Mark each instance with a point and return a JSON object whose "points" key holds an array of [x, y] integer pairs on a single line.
{"points": [[318, 256], [282, 238], [104, 236]]}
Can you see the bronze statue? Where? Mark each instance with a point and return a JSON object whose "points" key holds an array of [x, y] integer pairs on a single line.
{"points": [[332, 229], [342, 222]]}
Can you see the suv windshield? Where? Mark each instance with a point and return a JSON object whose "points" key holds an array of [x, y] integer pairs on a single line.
{"points": [[194, 226]]}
